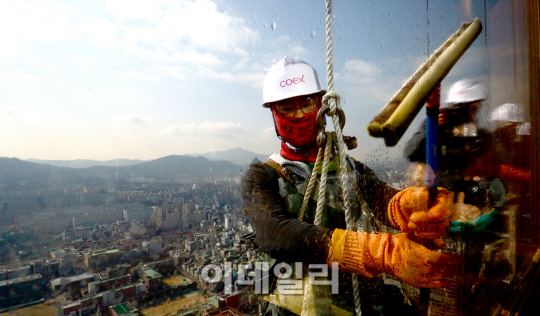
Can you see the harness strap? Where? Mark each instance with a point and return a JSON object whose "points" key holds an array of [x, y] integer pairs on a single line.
{"points": [[282, 174]]}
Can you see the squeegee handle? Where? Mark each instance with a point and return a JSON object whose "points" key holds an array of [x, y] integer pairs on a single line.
{"points": [[432, 110]]}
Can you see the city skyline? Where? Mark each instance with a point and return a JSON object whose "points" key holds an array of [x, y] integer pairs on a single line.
{"points": [[84, 251]]}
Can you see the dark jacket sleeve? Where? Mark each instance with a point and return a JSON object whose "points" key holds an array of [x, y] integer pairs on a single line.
{"points": [[283, 238], [376, 193], [415, 148]]}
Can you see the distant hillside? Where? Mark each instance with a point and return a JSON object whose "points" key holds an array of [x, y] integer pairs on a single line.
{"points": [[237, 156], [176, 167], [85, 163], [13, 170]]}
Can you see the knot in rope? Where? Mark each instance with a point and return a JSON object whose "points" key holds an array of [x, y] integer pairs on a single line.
{"points": [[331, 95]]}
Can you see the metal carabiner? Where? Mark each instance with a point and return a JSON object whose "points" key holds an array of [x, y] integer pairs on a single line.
{"points": [[321, 137], [341, 116]]}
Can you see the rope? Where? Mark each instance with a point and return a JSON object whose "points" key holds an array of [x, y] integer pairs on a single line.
{"points": [[329, 47], [324, 176], [311, 185], [332, 100], [316, 298]]}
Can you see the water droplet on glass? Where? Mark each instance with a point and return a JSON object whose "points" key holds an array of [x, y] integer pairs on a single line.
{"points": [[273, 26], [313, 34]]}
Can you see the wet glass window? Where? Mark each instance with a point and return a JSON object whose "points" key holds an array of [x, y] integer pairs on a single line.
{"points": [[128, 129]]}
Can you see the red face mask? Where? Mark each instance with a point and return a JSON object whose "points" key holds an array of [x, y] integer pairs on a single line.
{"points": [[300, 132]]}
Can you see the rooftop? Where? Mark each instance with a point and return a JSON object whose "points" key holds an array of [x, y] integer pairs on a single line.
{"points": [[123, 309], [84, 276], [151, 273], [104, 251], [23, 279]]}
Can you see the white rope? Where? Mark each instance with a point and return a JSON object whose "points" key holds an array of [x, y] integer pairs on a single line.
{"points": [[331, 98], [317, 299], [311, 185], [344, 179], [324, 177]]}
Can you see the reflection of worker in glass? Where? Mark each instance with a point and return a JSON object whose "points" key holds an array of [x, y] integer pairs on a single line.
{"points": [[466, 163], [461, 140], [292, 91], [512, 135], [464, 148]]}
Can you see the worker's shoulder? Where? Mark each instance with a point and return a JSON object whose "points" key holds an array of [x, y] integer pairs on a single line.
{"points": [[359, 166], [260, 170], [363, 169]]}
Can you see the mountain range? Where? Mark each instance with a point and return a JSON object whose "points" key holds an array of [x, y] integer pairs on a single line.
{"points": [[174, 167], [237, 156], [85, 163], [216, 164], [16, 171]]}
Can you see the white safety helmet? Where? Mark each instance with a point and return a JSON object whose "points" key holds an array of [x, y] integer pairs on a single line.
{"points": [[290, 77], [509, 113], [465, 91]]}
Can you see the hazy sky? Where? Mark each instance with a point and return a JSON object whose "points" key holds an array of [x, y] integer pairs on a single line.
{"points": [[146, 79]]}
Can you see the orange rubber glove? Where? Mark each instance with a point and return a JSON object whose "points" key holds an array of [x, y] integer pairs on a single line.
{"points": [[408, 211], [371, 254]]}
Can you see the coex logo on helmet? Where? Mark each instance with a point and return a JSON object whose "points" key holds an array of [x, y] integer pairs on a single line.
{"points": [[289, 82]]}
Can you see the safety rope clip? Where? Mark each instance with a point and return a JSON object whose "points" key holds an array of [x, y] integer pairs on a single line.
{"points": [[321, 137]]}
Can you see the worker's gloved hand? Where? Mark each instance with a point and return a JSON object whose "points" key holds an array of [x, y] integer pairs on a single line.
{"points": [[465, 212], [408, 211], [371, 254]]}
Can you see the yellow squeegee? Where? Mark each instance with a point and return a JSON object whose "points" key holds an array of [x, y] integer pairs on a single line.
{"points": [[396, 116]]}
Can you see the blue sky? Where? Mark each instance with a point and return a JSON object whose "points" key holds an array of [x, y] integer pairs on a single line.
{"points": [[146, 79]]}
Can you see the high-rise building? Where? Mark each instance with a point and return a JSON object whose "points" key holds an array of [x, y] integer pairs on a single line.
{"points": [[21, 290], [137, 228], [228, 222], [165, 217]]}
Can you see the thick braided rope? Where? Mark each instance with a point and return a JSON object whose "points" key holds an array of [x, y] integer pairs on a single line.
{"points": [[309, 300], [312, 300], [343, 175], [346, 189], [311, 185], [329, 47], [341, 146], [324, 177]]}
